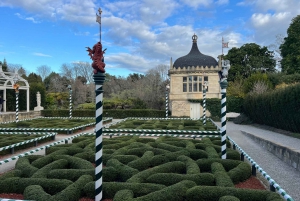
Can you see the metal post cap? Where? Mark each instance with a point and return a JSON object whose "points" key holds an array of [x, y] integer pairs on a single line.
{"points": [[224, 84]]}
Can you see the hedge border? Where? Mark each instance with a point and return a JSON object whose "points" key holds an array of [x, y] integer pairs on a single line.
{"points": [[69, 131], [26, 142]]}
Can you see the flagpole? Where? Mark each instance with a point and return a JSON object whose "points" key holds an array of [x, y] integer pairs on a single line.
{"points": [[222, 45], [99, 20]]}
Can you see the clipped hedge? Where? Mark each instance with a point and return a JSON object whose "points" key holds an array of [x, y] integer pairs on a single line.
{"points": [[205, 193], [279, 108]]}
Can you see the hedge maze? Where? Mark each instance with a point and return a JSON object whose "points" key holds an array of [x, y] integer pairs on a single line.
{"points": [[61, 125], [13, 141], [161, 125], [135, 169]]}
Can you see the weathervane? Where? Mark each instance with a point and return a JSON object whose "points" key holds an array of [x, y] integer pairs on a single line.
{"points": [[98, 19], [96, 53]]}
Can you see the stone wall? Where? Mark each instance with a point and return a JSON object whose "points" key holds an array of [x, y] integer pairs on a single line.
{"points": [[11, 116], [289, 156]]}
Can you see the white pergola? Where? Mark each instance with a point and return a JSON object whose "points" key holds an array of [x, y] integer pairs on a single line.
{"points": [[7, 80]]}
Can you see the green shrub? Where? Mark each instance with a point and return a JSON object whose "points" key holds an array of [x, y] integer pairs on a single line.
{"points": [[125, 159], [124, 171], [221, 177], [233, 154], [142, 163], [191, 165], [229, 198], [211, 152], [158, 160], [168, 147], [70, 174], [228, 164], [196, 154], [27, 170], [42, 172], [109, 174], [204, 193], [168, 179], [111, 188], [240, 173], [175, 167], [36, 192], [175, 192], [123, 195]]}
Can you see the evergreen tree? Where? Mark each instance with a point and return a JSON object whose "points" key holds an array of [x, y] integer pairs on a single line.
{"points": [[290, 48]]}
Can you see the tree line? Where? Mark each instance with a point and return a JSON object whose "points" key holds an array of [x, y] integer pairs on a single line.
{"points": [[253, 70]]}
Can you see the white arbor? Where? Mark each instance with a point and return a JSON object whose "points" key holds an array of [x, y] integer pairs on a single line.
{"points": [[7, 81]]}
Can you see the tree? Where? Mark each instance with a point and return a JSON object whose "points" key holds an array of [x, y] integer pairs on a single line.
{"points": [[43, 71], [4, 65], [248, 59], [16, 67], [32, 78], [290, 48]]}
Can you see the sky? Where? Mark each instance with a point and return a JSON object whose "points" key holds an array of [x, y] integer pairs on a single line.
{"points": [[138, 34]]}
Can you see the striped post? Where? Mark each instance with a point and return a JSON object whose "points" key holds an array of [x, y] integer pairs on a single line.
{"points": [[70, 106], [204, 106], [99, 80], [17, 106], [167, 103], [223, 85]]}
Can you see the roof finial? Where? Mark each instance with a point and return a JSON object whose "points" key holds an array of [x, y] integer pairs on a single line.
{"points": [[195, 37]]}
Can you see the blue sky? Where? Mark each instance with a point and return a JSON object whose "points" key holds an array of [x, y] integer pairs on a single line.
{"points": [[138, 34]]}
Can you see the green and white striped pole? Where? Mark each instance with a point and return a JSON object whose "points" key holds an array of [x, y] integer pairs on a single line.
{"points": [[17, 106], [99, 80], [167, 100], [204, 106], [70, 99], [223, 85]]}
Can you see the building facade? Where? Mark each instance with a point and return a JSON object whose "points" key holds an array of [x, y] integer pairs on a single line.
{"points": [[188, 75]]}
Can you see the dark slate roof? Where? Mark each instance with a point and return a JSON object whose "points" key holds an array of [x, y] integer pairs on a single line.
{"points": [[195, 58]]}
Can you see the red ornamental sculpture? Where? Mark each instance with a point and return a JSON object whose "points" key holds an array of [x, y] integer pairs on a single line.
{"points": [[96, 55]]}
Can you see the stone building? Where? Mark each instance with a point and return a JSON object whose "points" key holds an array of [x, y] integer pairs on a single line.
{"points": [[188, 75]]}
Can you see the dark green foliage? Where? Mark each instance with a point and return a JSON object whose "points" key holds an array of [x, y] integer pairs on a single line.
{"points": [[290, 50], [175, 192], [232, 154], [124, 171], [242, 119], [37, 193], [125, 159], [111, 188], [240, 173], [279, 109], [110, 174], [214, 193], [248, 59], [42, 172], [70, 174], [158, 160], [234, 104], [205, 179], [228, 164], [191, 165], [123, 195], [211, 152], [142, 163], [229, 198], [24, 165], [221, 177], [196, 154], [169, 147], [175, 167]]}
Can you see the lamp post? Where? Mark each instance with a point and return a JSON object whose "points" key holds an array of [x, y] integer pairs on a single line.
{"points": [[167, 100], [16, 87], [70, 98], [223, 84], [204, 102]]}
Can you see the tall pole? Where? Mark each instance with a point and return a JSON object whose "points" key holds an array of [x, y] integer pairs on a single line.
{"points": [[70, 99], [99, 80], [167, 100], [204, 105], [223, 84], [17, 106]]}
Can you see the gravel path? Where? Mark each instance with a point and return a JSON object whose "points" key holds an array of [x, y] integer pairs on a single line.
{"points": [[286, 176]]}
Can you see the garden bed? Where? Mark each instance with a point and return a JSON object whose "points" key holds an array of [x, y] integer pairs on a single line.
{"points": [[61, 125], [14, 141], [162, 125], [134, 169]]}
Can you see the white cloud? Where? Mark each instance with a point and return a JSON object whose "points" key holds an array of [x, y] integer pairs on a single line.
{"points": [[41, 54], [26, 18], [222, 2], [197, 3]]}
